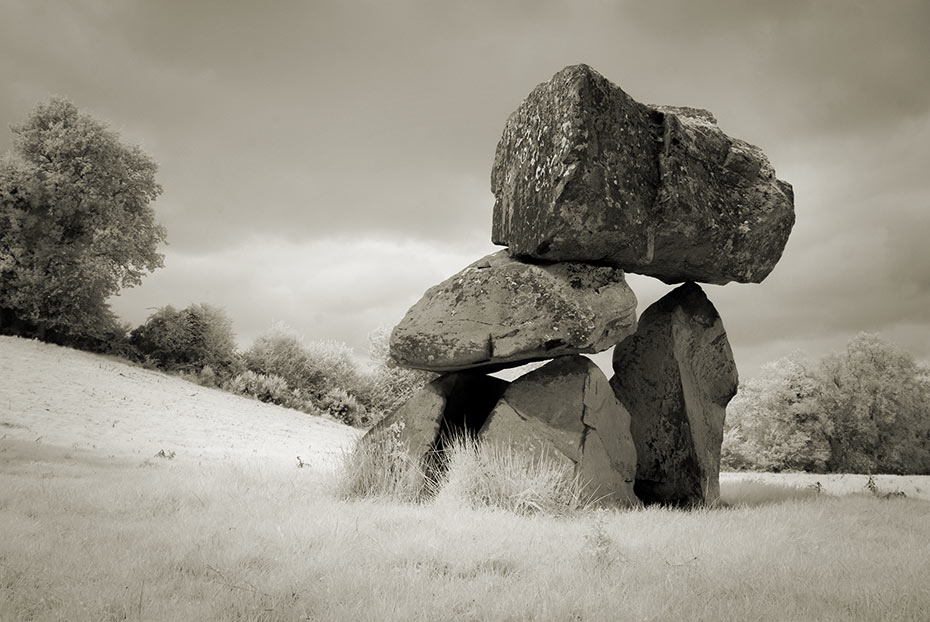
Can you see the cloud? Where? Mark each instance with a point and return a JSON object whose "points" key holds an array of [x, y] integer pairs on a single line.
{"points": [[814, 68], [337, 288], [326, 162]]}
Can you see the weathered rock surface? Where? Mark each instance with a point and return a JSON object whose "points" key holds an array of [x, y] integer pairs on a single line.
{"points": [[676, 376], [585, 173], [448, 405], [500, 312], [568, 410]]}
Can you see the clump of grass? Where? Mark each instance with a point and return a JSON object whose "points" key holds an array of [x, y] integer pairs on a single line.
{"points": [[492, 475], [466, 471], [380, 466]]}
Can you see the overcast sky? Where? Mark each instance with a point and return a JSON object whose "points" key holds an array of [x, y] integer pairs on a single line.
{"points": [[324, 162]]}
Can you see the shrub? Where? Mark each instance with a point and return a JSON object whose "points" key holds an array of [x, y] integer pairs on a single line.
{"points": [[266, 388], [188, 340], [334, 363], [346, 408], [380, 466], [279, 352], [206, 377], [322, 371]]}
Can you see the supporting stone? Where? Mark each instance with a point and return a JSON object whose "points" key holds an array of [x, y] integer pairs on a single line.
{"points": [[567, 411], [676, 375]]}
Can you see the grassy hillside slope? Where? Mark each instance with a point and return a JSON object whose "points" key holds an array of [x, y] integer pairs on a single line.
{"points": [[58, 396]]}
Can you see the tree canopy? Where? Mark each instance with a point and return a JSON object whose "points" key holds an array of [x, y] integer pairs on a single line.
{"points": [[188, 340], [865, 409], [76, 222]]}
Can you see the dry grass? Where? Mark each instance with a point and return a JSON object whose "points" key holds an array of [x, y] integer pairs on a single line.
{"points": [[486, 475], [89, 538], [95, 534], [466, 472], [379, 466]]}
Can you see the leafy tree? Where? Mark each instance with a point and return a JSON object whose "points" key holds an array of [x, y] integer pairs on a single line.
{"points": [[76, 223], [879, 401], [866, 409], [775, 421], [188, 340]]}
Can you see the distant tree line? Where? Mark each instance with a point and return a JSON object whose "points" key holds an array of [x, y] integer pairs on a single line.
{"points": [[862, 410]]}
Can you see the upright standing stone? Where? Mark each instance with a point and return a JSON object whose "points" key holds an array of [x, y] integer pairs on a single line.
{"points": [[585, 173], [676, 375], [568, 410]]}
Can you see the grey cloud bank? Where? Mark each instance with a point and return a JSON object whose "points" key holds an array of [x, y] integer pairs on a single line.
{"points": [[324, 163]]}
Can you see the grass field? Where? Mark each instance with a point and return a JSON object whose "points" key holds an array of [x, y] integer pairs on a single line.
{"points": [[94, 526]]}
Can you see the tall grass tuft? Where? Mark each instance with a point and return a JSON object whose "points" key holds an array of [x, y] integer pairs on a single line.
{"points": [[492, 475], [380, 466]]}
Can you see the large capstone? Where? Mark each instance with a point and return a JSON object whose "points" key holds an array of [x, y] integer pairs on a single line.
{"points": [[583, 172], [566, 411], [676, 376], [501, 312]]}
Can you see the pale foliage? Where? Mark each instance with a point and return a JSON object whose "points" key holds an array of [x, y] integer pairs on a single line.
{"points": [[76, 223], [775, 422], [391, 385], [271, 389], [324, 372], [865, 409]]}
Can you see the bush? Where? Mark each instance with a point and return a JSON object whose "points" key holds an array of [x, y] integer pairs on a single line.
{"points": [[315, 367], [335, 364], [322, 371], [188, 340], [266, 388], [280, 353], [339, 404]]}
